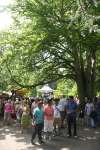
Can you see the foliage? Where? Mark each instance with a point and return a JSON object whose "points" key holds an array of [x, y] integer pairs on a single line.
{"points": [[52, 40], [66, 87]]}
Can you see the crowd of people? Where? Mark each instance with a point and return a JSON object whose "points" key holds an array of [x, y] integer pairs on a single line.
{"points": [[48, 117]]}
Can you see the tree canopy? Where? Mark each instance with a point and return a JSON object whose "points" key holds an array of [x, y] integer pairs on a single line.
{"points": [[52, 40]]}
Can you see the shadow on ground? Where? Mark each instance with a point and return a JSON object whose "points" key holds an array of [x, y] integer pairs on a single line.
{"points": [[89, 139]]}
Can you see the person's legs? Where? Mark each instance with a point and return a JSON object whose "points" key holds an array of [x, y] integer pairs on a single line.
{"points": [[39, 130], [9, 118], [59, 125], [5, 118], [69, 125], [92, 123], [75, 126], [88, 121], [34, 132], [54, 124], [62, 118], [50, 129], [46, 123]]}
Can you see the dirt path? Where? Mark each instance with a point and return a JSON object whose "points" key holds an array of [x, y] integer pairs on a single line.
{"points": [[12, 139]]}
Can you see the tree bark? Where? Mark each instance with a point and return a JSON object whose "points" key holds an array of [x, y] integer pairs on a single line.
{"points": [[85, 78], [85, 87]]}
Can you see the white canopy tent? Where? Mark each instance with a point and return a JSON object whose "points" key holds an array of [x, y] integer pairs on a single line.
{"points": [[46, 89]]}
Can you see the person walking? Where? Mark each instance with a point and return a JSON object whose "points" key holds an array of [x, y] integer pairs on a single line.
{"points": [[38, 121], [7, 112], [57, 118], [25, 118], [62, 104], [48, 120], [89, 107], [71, 111]]}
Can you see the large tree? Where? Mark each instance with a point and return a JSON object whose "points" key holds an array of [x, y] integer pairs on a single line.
{"points": [[56, 39]]}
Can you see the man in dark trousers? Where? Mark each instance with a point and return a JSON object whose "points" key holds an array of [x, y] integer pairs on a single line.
{"points": [[71, 110], [38, 119]]}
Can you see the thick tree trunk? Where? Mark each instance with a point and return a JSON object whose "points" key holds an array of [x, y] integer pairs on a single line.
{"points": [[80, 89], [85, 77], [85, 88], [80, 80]]}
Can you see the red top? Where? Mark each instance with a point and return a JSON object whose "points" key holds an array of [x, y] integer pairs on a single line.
{"points": [[48, 112]]}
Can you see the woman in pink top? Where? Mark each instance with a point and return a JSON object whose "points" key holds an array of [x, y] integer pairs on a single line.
{"points": [[7, 112], [13, 113], [48, 119]]}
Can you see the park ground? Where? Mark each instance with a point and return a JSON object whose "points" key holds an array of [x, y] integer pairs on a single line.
{"points": [[11, 138]]}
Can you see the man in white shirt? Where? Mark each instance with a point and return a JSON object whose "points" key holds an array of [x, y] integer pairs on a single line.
{"points": [[88, 109], [62, 104], [57, 117]]}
